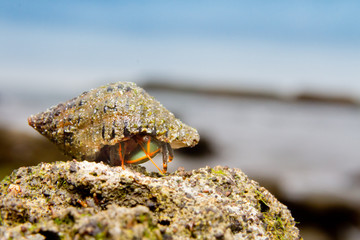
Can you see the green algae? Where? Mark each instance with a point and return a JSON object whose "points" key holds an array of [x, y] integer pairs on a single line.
{"points": [[218, 171], [6, 179], [66, 220]]}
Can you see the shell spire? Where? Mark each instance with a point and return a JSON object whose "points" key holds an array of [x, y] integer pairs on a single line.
{"points": [[107, 115]]}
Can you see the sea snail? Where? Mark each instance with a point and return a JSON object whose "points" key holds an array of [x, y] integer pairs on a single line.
{"points": [[118, 124]]}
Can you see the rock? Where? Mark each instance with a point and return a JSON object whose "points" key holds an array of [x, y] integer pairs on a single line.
{"points": [[88, 200]]}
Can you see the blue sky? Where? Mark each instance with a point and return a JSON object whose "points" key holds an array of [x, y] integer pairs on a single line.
{"points": [[284, 45], [310, 21]]}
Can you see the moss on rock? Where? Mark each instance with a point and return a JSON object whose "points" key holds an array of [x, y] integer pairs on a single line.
{"points": [[88, 200]]}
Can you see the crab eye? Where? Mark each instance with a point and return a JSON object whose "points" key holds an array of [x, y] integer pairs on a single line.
{"points": [[146, 148]]}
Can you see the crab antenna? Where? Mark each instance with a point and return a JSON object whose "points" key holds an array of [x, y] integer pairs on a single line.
{"points": [[121, 156]]}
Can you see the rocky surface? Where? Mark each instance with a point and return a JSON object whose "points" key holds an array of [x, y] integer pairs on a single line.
{"points": [[87, 200]]}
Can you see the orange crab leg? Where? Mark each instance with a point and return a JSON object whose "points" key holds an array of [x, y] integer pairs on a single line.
{"points": [[121, 156], [168, 155], [170, 158]]}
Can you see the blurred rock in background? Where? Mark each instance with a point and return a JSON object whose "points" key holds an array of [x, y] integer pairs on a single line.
{"points": [[22, 149]]}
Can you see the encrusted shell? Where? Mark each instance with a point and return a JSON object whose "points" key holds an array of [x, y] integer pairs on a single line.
{"points": [[108, 115]]}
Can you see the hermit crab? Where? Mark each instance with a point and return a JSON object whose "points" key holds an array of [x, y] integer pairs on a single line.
{"points": [[118, 124]]}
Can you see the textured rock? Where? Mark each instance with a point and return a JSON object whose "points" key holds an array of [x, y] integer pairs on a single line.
{"points": [[88, 200]]}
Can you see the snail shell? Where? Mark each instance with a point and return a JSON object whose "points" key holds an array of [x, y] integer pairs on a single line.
{"points": [[107, 115]]}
